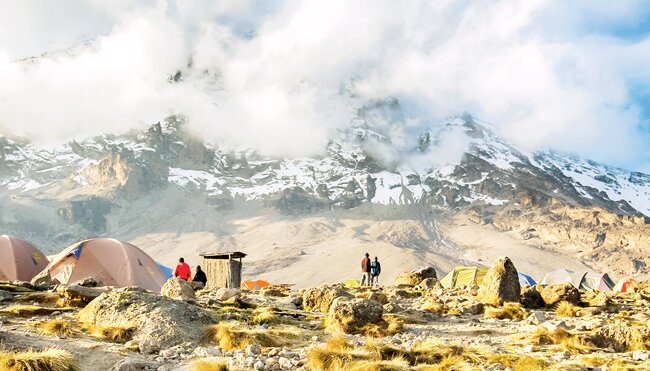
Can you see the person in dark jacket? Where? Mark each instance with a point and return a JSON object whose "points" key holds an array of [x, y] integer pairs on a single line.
{"points": [[375, 270], [200, 276], [365, 271]]}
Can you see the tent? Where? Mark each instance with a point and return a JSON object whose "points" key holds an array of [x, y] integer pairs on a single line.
{"points": [[563, 275], [254, 285], [596, 282], [463, 276], [624, 284], [19, 260], [113, 262], [526, 280], [585, 281], [351, 283], [168, 272]]}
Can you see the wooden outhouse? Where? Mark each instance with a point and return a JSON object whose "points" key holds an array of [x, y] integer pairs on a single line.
{"points": [[223, 269]]}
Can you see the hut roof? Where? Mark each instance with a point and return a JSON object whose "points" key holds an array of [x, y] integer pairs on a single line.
{"points": [[223, 255]]}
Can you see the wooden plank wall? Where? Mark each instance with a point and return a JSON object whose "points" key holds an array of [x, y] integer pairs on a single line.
{"points": [[222, 273]]}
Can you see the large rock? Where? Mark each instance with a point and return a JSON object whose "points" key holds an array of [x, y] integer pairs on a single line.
{"points": [[351, 315], [177, 288], [501, 283], [531, 298], [321, 297], [414, 278], [80, 293], [159, 322], [555, 293], [621, 336], [44, 281]]}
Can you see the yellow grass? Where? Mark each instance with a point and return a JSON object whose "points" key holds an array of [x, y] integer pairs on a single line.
{"points": [[264, 315], [210, 364], [234, 335], [50, 359], [118, 334], [55, 327], [31, 310], [566, 309], [507, 311], [566, 340]]}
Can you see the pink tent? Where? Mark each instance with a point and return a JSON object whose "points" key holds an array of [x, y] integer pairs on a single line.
{"points": [[19, 260], [113, 262]]}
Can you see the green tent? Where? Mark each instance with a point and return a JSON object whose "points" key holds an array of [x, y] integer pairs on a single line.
{"points": [[460, 276], [352, 283]]}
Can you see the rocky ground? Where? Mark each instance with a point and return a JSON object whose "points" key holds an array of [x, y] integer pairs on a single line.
{"points": [[414, 324]]}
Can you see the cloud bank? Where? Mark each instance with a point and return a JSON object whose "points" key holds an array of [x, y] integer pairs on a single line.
{"points": [[284, 77]]}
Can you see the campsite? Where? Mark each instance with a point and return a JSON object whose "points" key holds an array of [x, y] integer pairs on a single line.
{"points": [[110, 296]]}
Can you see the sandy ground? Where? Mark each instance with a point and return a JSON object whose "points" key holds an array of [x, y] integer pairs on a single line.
{"points": [[328, 248]]}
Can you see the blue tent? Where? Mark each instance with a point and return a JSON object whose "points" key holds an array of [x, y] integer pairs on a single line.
{"points": [[526, 280], [168, 271]]}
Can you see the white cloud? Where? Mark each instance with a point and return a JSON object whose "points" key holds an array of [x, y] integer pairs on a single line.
{"points": [[545, 79]]}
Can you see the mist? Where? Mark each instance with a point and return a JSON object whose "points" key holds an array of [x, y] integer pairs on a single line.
{"points": [[285, 78]]}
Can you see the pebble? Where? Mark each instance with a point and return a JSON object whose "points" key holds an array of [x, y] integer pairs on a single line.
{"points": [[640, 355]]}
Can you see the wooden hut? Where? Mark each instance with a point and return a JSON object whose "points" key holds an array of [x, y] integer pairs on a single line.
{"points": [[223, 269]]}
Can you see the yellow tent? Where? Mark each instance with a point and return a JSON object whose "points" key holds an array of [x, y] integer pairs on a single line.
{"points": [[351, 283], [463, 276]]}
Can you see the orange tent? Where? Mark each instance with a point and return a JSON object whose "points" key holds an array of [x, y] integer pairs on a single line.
{"points": [[19, 260], [113, 262], [254, 285], [623, 284]]}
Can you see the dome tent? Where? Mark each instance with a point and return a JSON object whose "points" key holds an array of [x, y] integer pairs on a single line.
{"points": [[563, 275], [624, 284], [584, 281], [464, 276], [113, 262], [19, 260], [526, 280]]}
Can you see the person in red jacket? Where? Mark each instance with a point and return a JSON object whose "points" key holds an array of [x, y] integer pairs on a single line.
{"points": [[182, 270], [365, 270]]}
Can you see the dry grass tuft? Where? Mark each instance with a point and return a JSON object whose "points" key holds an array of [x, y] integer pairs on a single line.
{"points": [[264, 315], [566, 309], [31, 310], [50, 359], [55, 326], [395, 364], [234, 335], [210, 364], [507, 311], [117, 334], [568, 341], [518, 363], [45, 297]]}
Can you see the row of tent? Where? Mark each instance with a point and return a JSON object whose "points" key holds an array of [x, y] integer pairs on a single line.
{"points": [[113, 262], [585, 281]]}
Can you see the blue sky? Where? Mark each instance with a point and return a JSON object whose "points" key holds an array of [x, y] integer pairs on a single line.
{"points": [[565, 75]]}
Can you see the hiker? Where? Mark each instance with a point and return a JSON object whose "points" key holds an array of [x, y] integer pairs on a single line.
{"points": [[200, 276], [182, 270], [375, 270], [365, 271]]}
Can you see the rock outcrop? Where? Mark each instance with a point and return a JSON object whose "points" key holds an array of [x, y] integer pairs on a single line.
{"points": [[501, 283], [158, 322], [555, 293], [531, 298], [351, 315], [321, 297], [414, 278], [177, 288]]}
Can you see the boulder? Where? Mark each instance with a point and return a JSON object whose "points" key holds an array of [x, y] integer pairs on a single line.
{"points": [[351, 315], [271, 291], [5, 296], [90, 282], [414, 278], [555, 293], [223, 294], [374, 295], [501, 283], [321, 297], [159, 322], [177, 288], [530, 298], [80, 293], [429, 283], [43, 281], [621, 335]]}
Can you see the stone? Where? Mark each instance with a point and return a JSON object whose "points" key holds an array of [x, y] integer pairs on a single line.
{"points": [[253, 350], [177, 288], [80, 293], [555, 293], [5, 295], [597, 299], [552, 326], [378, 297], [392, 308], [259, 365], [640, 355], [321, 297], [158, 322], [536, 318], [134, 365], [429, 283], [353, 314], [297, 301], [223, 293], [472, 307], [271, 291], [413, 278], [500, 284], [90, 282], [591, 324], [43, 281], [620, 335], [530, 298]]}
